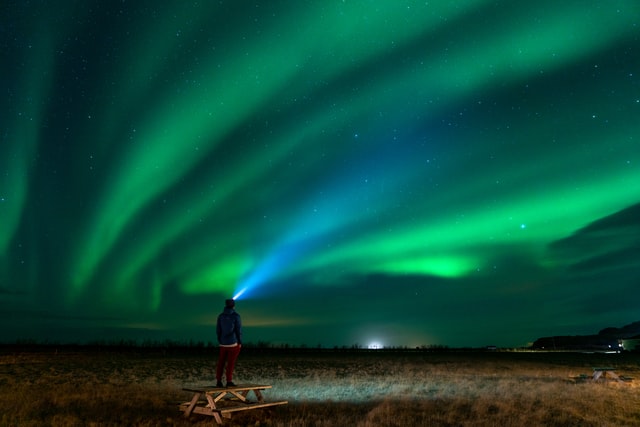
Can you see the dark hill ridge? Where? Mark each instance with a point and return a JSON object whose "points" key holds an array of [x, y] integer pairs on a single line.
{"points": [[607, 339], [629, 331]]}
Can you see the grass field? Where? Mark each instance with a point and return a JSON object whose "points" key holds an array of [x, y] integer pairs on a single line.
{"points": [[62, 388]]}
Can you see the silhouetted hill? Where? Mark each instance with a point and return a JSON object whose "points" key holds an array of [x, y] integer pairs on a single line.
{"points": [[627, 331], [607, 339]]}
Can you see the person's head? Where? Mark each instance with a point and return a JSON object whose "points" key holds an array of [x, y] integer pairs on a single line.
{"points": [[230, 303]]}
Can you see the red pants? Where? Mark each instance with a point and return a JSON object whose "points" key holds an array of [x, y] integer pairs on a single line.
{"points": [[228, 355]]}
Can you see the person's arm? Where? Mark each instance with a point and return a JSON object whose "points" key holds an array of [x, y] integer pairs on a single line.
{"points": [[218, 329], [239, 330]]}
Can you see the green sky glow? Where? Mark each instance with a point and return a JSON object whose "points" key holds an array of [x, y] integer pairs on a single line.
{"points": [[358, 157]]}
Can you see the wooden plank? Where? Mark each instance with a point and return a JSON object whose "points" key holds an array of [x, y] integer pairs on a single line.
{"points": [[203, 410], [218, 397], [212, 403], [238, 395], [249, 406], [192, 404], [213, 389], [606, 368], [202, 389]]}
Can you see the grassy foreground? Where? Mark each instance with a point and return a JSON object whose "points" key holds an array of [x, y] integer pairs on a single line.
{"points": [[323, 389]]}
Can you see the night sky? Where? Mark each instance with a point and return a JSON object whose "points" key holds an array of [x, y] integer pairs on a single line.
{"points": [[397, 173]]}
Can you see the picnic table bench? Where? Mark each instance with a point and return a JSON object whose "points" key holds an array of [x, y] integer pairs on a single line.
{"points": [[223, 401]]}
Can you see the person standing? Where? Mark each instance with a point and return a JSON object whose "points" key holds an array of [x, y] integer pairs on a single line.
{"points": [[229, 331]]}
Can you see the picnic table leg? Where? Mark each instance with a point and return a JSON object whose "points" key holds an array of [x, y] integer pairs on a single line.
{"points": [[613, 375], [258, 394], [212, 405], [192, 404]]}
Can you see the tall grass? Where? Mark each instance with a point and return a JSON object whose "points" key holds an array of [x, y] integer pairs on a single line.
{"points": [[330, 389]]}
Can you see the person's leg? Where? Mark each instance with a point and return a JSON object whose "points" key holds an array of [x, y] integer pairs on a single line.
{"points": [[232, 356], [221, 361]]}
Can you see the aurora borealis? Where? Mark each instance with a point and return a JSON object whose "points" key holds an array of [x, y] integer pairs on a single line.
{"points": [[409, 173]]}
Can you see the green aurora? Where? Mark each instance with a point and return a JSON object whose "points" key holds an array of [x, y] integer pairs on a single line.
{"points": [[409, 173]]}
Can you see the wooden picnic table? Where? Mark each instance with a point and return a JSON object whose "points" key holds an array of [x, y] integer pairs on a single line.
{"points": [[221, 402], [605, 372]]}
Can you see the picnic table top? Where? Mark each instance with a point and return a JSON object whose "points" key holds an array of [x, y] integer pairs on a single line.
{"points": [[213, 389], [604, 368]]}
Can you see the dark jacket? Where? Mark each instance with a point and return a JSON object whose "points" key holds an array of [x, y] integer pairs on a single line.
{"points": [[229, 327]]}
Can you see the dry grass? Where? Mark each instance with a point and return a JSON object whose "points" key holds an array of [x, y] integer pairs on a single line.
{"points": [[333, 389]]}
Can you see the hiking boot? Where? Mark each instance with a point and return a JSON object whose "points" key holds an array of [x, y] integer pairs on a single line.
{"points": [[230, 384], [219, 384]]}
